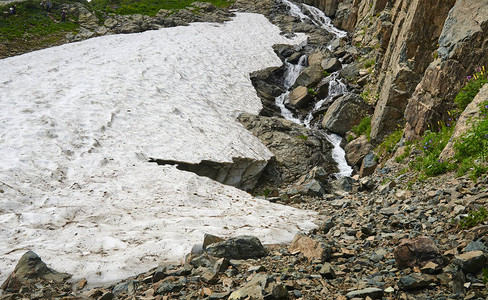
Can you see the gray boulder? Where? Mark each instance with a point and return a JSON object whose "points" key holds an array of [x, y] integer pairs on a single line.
{"points": [[356, 150], [331, 64], [300, 97], [242, 247], [30, 270], [310, 76], [345, 113]]}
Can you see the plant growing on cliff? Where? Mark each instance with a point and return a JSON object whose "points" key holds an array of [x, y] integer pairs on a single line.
{"points": [[364, 127], [471, 89], [388, 145], [472, 148], [431, 146]]}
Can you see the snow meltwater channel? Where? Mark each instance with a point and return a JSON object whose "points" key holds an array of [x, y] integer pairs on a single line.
{"points": [[79, 121]]}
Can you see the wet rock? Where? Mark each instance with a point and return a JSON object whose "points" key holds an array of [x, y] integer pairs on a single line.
{"points": [[331, 65], [262, 286], [417, 252], [291, 144], [373, 293], [300, 97], [345, 113], [243, 247], [310, 76], [310, 248]]}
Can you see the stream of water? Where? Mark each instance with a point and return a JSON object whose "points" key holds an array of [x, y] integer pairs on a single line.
{"points": [[336, 85]]}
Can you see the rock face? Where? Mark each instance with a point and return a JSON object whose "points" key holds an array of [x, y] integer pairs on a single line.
{"points": [[345, 113], [462, 48], [410, 51], [464, 122], [296, 149], [30, 270]]}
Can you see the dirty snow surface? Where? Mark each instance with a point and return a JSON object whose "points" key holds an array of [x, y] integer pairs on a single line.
{"points": [[78, 123]]}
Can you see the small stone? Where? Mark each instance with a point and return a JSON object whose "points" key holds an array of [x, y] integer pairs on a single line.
{"points": [[209, 239], [373, 293], [389, 290], [431, 268], [327, 271], [416, 252], [242, 247]]}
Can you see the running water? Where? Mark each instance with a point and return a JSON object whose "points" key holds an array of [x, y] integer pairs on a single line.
{"points": [[336, 85], [291, 74]]}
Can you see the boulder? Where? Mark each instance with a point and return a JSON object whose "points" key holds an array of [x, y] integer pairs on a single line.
{"points": [[471, 262], [242, 247], [297, 150], [300, 97], [261, 286], [414, 281], [368, 165], [30, 270], [345, 113], [417, 252], [356, 150], [268, 87], [318, 55], [310, 76], [331, 64], [311, 249]]}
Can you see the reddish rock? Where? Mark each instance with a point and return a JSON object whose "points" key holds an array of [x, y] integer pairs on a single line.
{"points": [[310, 248], [417, 252]]}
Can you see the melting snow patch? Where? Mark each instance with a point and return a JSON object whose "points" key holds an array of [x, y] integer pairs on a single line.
{"points": [[79, 121]]}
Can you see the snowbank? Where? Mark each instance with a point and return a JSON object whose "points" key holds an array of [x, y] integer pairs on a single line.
{"points": [[79, 121]]}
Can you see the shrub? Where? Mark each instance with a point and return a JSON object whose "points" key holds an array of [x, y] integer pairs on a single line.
{"points": [[474, 218], [364, 127], [388, 145], [431, 146], [369, 63]]}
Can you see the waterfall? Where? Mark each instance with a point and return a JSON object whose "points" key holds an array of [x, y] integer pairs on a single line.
{"points": [[336, 85]]}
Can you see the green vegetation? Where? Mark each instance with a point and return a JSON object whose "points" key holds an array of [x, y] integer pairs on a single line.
{"points": [[369, 63], [388, 145], [474, 218], [147, 7], [405, 154], [303, 137], [31, 21], [326, 74], [471, 89], [312, 92], [364, 127], [485, 275], [432, 145], [472, 148]]}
